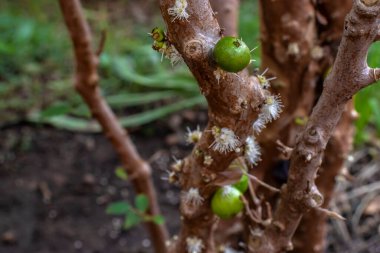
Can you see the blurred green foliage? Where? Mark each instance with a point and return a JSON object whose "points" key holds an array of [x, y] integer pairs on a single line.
{"points": [[367, 103], [36, 68]]}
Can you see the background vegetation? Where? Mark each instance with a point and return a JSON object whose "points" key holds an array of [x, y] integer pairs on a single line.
{"points": [[36, 67]]}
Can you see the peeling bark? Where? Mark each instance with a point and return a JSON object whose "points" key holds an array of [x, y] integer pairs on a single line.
{"points": [[87, 86]]}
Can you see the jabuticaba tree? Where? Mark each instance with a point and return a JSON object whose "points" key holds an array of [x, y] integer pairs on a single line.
{"points": [[240, 105]]}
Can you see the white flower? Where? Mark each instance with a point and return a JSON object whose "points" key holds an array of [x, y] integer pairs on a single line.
{"points": [[177, 166], [231, 250], [208, 160], [271, 109], [194, 245], [259, 124], [227, 190], [265, 82], [252, 151], [172, 54], [219, 74], [178, 11], [192, 197], [225, 140], [193, 136]]}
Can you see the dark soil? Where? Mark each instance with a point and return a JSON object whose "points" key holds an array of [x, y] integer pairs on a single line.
{"points": [[55, 187]]}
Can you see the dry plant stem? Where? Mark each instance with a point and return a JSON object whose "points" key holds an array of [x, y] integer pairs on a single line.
{"points": [[263, 184], [227, 13], [233, 103], [311, 235], [87, 85], [349, 74]]}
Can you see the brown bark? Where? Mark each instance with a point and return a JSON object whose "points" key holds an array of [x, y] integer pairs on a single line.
{"points": [[325, 29], [233, 103], [311, 234], [227, 14], [349, 74], [87, 85]]}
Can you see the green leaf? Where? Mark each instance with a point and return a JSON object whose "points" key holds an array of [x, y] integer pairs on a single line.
{"points": [[158, 219], [142, 202], [133, 99], [162, 80], [148, 116], [56, 110], [66, 122], [374, 104], [117, 208], [121, 173], [131, 219]]}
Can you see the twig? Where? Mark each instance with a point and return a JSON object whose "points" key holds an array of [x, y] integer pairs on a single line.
{"points": [[248, 210], [331, 214], [285, 151], [102, 42], [269, 187], [87, 85]]}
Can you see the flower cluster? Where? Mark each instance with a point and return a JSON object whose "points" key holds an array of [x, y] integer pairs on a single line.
{"points": [[265, 82], [172, 54], [270, 111], [272, 108], [252, 151], [259, 125], [225, 140], [194, 245], [193, 136], [192, 197], [178, 11]]}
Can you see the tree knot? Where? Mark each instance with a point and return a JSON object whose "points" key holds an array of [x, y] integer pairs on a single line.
{"points": [[194, 48]]}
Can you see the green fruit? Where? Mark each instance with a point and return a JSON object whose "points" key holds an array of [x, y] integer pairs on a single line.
{"points": [[231, 54], [242, 185], [226, 202]]}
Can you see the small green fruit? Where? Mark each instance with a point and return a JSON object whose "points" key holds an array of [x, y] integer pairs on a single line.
{"points": [[231, 54], [242, 185], [226, 202]]}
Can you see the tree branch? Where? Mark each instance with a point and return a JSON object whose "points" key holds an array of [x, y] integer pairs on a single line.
{"points": [[350, 74], [227, 13], [87, 85], [233, 101]]}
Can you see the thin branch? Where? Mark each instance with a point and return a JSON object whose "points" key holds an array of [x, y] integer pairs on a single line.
{"points": [[331, 214], [102, 43], [249, 212], [285, 151], [265, 185], [87, 85], [227, 13], [349, 74]]}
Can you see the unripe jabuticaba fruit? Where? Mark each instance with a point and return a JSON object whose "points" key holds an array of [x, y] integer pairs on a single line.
{"points": [[242, 185], [226, 202], [231, 54]]}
